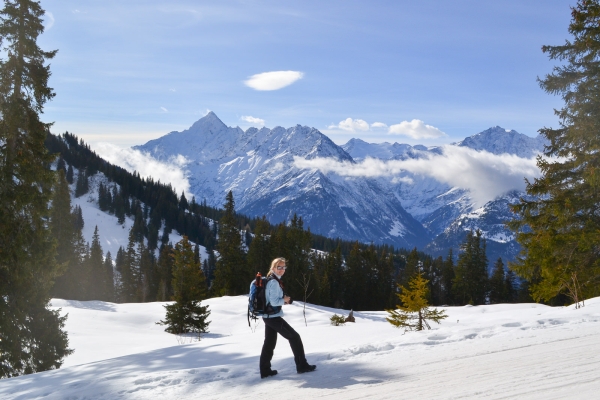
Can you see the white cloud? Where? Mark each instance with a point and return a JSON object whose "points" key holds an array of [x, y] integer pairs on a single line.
{"points": [[273, 80], [378, 125], [416, 129], [351, 125], [48, 20], [253, 120], [484, 174], [164, 110], [172, 172]]}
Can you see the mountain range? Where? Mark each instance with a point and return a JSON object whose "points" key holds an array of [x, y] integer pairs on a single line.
{"points": [[409, 210]]}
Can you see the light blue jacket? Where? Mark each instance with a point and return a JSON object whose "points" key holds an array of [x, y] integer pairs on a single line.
{"points": [[274, 296]]}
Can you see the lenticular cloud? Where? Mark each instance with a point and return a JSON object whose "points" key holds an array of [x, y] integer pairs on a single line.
{"points": [[484, 174], [273, 80]]}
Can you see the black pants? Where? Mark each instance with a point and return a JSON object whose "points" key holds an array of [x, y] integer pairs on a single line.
{"points": [[273, 326]]}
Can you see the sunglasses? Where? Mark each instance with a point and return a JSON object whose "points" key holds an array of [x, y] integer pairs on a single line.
{"points": [[279, 267]]}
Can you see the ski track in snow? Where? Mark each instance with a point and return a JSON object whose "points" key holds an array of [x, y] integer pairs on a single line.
{"points": [[498, 351]]}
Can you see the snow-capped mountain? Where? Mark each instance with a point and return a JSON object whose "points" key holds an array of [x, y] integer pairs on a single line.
{"points": [[498, 140], [449, 212], [408, 210], [257, 166]]}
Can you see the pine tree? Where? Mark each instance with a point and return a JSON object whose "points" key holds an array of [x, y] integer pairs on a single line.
{"points": [[559, 231], [60, 165], [355, 289], [119, 205], [130, 272], [411, 268], [63, 231], [31, 335], [497, 283], [414, 312], [232, 275], [336, 277], [297, 251], [109, 284], [447, 296], [82, 186], [165, 274], [96, 269], [260, 253], [183, 203], [471, 277], [189, 286], [79, 271], [77, 218], [509, 287], [69, 176]]}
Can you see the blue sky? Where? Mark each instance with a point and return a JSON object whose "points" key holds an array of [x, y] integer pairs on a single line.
{"points": [[429, 72]]}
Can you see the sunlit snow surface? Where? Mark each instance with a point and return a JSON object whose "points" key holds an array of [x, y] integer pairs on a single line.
{"points": [[500, 351]]}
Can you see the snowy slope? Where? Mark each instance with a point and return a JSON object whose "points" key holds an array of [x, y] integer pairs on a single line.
{"points": [[500, 351], [112, 234], [257, 166]]}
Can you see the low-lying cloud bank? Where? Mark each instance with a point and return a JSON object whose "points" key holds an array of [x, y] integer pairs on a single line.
{"points": [[172, 172], [484, 174]]}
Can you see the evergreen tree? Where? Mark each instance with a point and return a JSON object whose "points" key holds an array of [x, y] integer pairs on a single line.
{"points": [[447, 278], [260, 254], [97, 270], [471, 277], [232, 275], [165, 274], [355, 290], [69, 176], [130, 287], [559, 231], [60, 165], [119, 205], [63, 231], [79, 271], [411, 268], [109, 286], [183, 203], [296, 251], [82, 186], [31, 335], [72, 249], [146, 278], [414, 312], [103, 201], [77, 219], [497, 283], [189, 286], [336, 277], [509, 287]]}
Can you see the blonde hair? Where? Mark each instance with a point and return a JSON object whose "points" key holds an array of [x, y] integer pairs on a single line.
{"points": [[274, 264]]}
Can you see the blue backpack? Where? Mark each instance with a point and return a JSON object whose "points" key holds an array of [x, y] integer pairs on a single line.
{"points": [[257, 301]]}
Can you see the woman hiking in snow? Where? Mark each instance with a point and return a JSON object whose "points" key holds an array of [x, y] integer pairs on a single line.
{"points": [[274, 324]]}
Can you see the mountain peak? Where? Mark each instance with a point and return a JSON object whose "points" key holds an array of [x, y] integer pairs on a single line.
{"points": [[498, 140], [207, 122]]}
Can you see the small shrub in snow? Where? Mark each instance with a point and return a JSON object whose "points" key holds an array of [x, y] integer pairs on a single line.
{"points": [[337, 320]]}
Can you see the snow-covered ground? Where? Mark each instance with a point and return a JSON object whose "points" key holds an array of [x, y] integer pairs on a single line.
{"points": [[499, 351]]}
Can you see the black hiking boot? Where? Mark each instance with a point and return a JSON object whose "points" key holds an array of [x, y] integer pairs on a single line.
{"points": [[306, 368], [267, 374]]}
